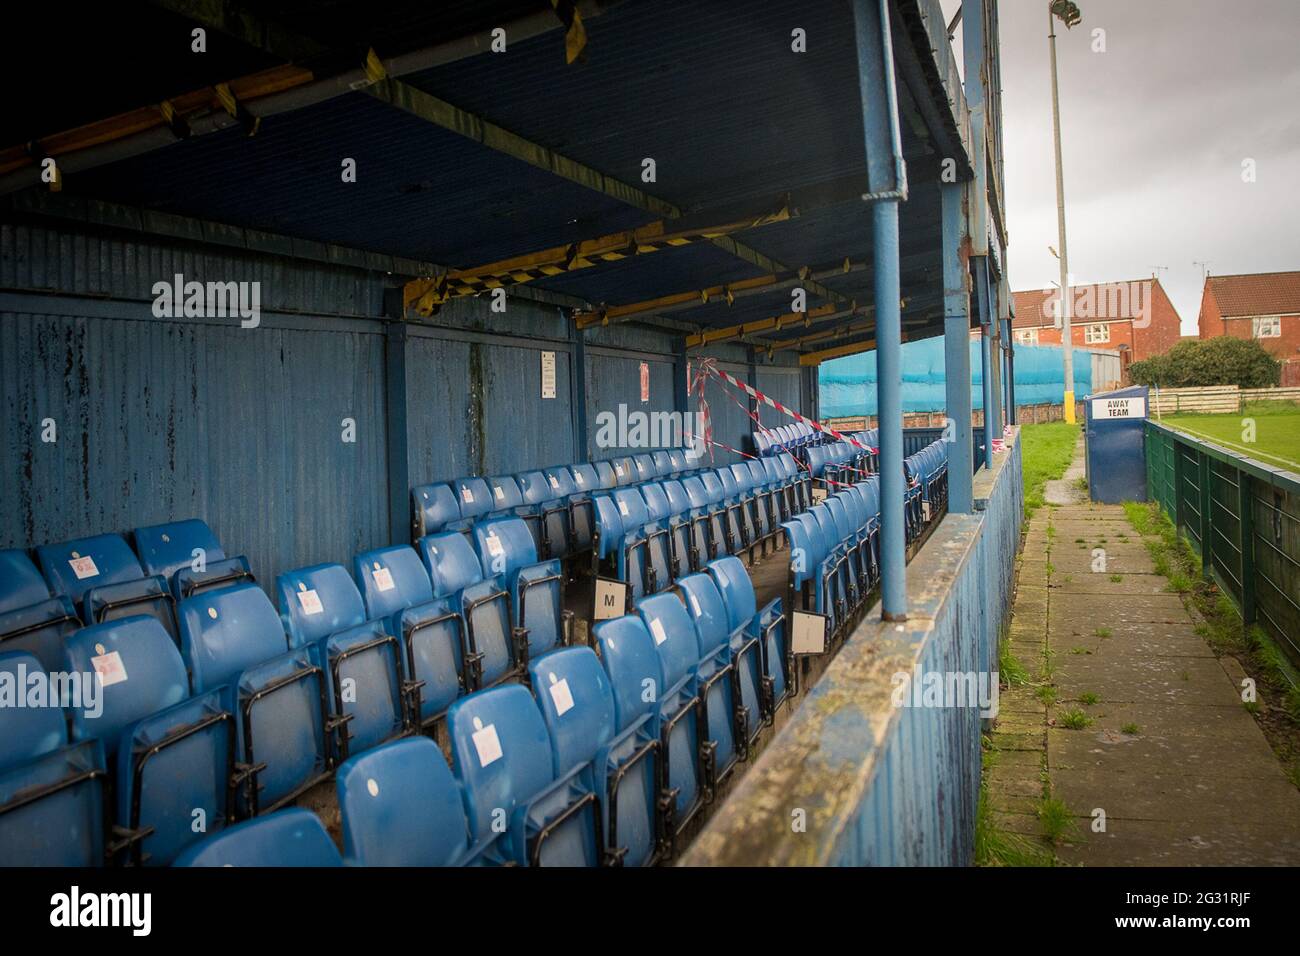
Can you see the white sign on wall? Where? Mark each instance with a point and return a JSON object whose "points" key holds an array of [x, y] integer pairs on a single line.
{"points": [[548, 375], [1119, 408]]}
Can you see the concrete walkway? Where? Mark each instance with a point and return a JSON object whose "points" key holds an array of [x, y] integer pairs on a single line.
{"points": [[1169, 753]]}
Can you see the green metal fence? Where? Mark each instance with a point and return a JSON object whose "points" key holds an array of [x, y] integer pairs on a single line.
{"points": [[1243, 519]]}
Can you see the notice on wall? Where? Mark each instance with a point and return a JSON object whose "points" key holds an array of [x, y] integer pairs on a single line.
{"points": [[1119, 407], [645, 381], [548, 375]]}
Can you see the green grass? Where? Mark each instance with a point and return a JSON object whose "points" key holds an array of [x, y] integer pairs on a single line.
{"points": [[1130, 728], [1057, 822], [1277, 432], [1010, 670], [1074, 719], [1046, 450], [1088, 698]]}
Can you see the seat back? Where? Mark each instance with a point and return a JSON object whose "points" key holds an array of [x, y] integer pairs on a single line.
{"points": [[73, 567], [631, 508], [606, 477], [434, 507], [707, 612], [65, 827], [504, 546], [500, 752], [535, 488], [673, 634], [21, 585], [576, 703], [713, 488], [644, 467], [675, 495], [586, 479], [164, 549], [505, 493], [391, 580], [627, 652], [293, 837], [141, 673], [736, 589], [678, 459], [656, 501], [318, 601], [27, 732], [472, 497], [451, 562], [696, 496], [625, 472], [226, 631], [663, 463], [401, 807]]}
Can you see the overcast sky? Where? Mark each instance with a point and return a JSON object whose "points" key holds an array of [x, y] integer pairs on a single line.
{"points": [[1155, 130]]}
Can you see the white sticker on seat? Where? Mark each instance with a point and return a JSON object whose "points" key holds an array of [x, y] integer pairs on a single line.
{"points": [[555, 482], [487, 744], [577, 476], [695, 605], [657, 629], [494, 546], [622, 508], [501, 492], [310, 602], [562, 697], [84, 567], [467, 495], [383, 579], [110, 669]]}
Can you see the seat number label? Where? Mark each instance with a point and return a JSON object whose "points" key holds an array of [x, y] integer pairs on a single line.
{"points": [[622, 508], [383, 579], [84, 567], [488, 745], [310, 602], [467, 495], [494, 546], [562, 697], [657, 629], [109, 668]]}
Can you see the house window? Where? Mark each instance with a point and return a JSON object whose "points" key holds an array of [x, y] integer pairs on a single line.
{"points": [[1094, 334], [1026, 336], [1266, 326]]}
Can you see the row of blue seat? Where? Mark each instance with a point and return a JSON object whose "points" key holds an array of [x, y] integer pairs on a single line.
{"points": [[773, 441], [350, 660], [103, 578], [835, 547], [650, 534], [555, 502], [604, 763]]}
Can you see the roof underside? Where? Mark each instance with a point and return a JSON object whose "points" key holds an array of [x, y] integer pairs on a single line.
{"points": [[733, 119]]}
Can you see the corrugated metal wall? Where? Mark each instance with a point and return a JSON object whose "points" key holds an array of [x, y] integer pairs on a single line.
{"points": [[614, 394], [161, 419]]}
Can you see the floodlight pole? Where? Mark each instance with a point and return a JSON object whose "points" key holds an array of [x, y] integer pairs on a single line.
{"points": [[1067, 344]]}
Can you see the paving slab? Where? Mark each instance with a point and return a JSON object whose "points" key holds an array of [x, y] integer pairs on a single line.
{"points": [[1194, 781]]}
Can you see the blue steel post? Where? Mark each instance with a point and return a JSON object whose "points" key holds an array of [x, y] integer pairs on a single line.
{"points": [[995, 346], [887, 185], [578, 390], [987, 358], [956, 351], [1008, 364], [395, 421]]}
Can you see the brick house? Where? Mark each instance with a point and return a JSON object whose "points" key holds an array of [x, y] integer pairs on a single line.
{"points": [[1135, 317], [1263, 306]]}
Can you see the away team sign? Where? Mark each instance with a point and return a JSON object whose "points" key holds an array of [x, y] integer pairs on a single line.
{"points": [[1119, 407]]}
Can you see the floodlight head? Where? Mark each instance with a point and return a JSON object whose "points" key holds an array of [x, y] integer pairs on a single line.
{"points": [[1067, 12]]}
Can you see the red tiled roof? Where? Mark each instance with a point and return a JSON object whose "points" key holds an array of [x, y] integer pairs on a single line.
{"points": [[1035, 308], [1264, 293]]}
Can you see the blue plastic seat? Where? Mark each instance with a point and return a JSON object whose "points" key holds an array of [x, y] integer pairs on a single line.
{"points": [[731, 649], [172, 754], [368, 696], [396, 588], [506, 550], [501, 754], [644, 468], [164, 549], [495, 649], [549, 511], [51, 793], [292, 837], [625, 472], [573, 693], [663, 462], [102, 577], [577, 484], [746, 623], [722, 537], [31, 618], [433, 509], [401, 806], [233, 639]]}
